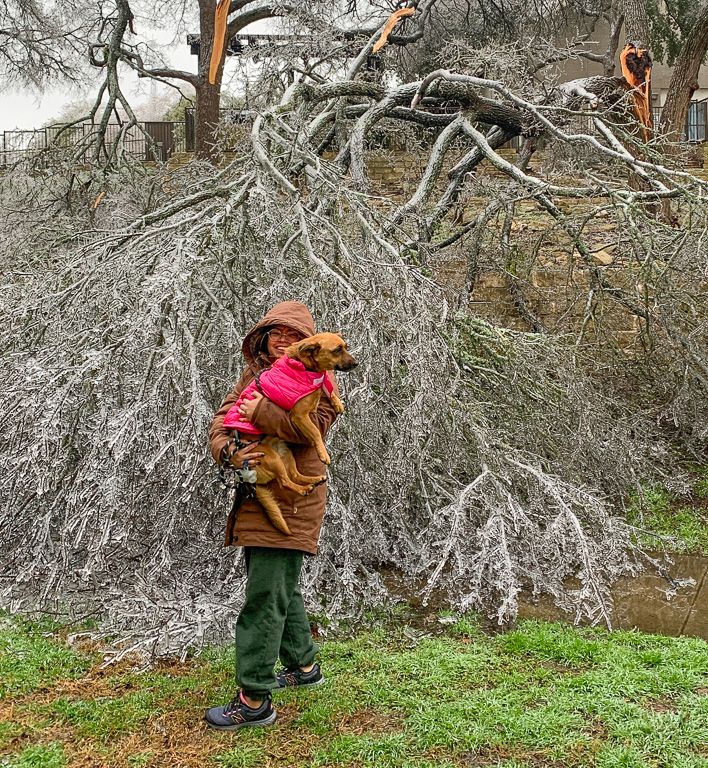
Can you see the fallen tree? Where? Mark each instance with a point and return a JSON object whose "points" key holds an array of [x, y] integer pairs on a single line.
{"points": [[472, 461]]}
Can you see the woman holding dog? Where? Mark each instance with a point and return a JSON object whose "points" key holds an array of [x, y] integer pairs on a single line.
{"points": [[273, 623]]}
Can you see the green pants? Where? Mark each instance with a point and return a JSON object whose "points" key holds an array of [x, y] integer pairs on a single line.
{"points": [[273, 622]]}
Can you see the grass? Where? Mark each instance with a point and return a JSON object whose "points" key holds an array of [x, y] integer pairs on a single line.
{"points": [[49, 756], [29, 659], [542, 695], [680, 524]]}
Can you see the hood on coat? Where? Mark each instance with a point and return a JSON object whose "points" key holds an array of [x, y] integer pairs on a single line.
{"points": [[291, 313]]}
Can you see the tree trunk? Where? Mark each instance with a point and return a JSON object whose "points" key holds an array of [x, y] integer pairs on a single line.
{"points": [[206, 120], [684, 78], [636, 24], [208, 95], [616, 23]]}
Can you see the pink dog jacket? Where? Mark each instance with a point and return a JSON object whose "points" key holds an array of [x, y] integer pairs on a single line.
{"points": [[285, 383]]}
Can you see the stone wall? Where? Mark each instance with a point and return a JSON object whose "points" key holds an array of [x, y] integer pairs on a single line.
{"points": [[555, 288]]}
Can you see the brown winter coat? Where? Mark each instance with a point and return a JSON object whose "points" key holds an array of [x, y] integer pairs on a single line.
{"points": [[251, 527]]}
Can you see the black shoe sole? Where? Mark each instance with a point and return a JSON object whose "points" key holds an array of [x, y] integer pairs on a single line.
{"points": [[302, 685], [236, 726]]}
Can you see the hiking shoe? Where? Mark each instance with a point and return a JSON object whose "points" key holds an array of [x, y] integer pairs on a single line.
{"points": [[296, 678], [237, 714]]}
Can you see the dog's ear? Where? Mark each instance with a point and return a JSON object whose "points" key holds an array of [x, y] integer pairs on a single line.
{"points": [[309, 347], [306, 352]]}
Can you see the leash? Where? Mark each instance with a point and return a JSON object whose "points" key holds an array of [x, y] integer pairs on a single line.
{"points": [[244, 478], [258, 380], [244, 481]]}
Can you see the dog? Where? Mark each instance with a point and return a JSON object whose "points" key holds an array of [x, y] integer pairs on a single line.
{"points": [[295, 382]]}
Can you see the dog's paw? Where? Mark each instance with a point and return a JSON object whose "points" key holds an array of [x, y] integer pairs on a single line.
{"points": [[338, 408], [324, 457]]}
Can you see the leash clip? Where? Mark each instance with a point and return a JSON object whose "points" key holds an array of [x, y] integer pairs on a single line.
{"points": [[243, 476]]}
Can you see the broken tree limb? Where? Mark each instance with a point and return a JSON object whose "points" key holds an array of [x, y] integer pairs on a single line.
{"points": [[221, 14], [390, 24]]}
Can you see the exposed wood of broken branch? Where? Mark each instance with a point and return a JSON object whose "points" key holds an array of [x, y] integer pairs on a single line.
{"points": [[390, 24]]}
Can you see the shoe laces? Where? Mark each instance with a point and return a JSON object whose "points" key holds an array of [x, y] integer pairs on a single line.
{"points": [[233, 705]]}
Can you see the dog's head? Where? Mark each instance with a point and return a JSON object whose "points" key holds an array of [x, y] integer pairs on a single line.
{"points": [[322, 352]]}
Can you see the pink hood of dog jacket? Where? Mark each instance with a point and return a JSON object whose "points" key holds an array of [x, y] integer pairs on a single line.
{"points": [[286, 382]]}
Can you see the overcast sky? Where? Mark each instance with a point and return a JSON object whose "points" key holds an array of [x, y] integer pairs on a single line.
{"points": [[32, 110]]}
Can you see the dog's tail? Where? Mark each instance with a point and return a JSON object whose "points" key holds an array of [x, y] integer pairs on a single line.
{"points": [[272, 510]]}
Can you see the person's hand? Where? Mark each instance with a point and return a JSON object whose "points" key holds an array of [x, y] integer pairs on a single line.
{"points": [[249, 405], [250, 453]]}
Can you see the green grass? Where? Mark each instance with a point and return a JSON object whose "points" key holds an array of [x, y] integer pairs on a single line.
{"points": [[243, 756], [29, 660], [140, 759], [677, 524], [8, 732], [543, 694], [42, 756]]}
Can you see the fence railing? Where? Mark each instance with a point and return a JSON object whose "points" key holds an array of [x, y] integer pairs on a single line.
{"points": [[169, 138], [166, 138]]}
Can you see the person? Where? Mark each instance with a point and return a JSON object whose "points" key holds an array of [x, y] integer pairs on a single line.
{"points": [[273, 622]]}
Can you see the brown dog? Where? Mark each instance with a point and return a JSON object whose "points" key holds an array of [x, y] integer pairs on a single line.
{"points": [[320, 353]]}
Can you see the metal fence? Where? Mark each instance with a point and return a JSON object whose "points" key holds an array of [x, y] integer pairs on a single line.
{"points": [[168, 138], [173, 137]]}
